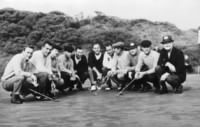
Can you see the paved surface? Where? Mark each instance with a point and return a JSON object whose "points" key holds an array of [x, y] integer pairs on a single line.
{"points": [[82, 109]]}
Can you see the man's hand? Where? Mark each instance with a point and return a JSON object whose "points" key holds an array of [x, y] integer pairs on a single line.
{"points": [[139, 75], [164, 76], [171, 67], [99, 76], [130, 75], [34, 81]]}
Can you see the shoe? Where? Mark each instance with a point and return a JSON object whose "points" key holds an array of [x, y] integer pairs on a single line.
{"points": [[16, 99], [179, 89], [107, 88], [157, 90], [164, 89], [93, 88], [38, 97]]}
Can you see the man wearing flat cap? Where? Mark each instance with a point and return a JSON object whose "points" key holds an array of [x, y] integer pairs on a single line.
{"points": [[171, 67], [133, 59]]}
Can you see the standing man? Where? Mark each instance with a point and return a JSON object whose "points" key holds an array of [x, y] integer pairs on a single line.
{"points": [[18, 72], [95, 63], [109, 65], [145, 68], [80, 66], [171, 68]]}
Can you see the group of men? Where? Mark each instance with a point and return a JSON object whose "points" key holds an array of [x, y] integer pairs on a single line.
{"points": [[54, 68]]}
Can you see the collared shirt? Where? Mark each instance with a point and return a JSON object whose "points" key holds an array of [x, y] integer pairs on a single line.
{"points": [[109, 61], [16, 66], [41, 62], [77, 60], [149, 60], [123, 61], [65, 64]]}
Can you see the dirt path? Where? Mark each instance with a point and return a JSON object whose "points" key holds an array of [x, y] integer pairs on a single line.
{"points": [[107, 110]]}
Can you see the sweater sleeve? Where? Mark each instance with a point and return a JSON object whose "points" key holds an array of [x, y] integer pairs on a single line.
{"points": [[90, 60]]}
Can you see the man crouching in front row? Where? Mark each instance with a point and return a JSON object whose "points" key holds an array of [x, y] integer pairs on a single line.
{"points": [[19, 71]]}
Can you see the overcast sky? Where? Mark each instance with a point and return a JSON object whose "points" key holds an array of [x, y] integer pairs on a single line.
{"points": [[185, 14]]}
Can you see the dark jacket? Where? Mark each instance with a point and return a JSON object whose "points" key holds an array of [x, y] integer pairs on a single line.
{"points": [[93, 62], [177, 59], [82, 65]]}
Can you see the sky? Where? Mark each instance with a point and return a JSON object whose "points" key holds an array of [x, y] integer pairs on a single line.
{"points": [[185, 14]]}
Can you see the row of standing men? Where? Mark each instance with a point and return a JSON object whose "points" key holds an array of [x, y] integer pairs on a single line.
{"points": [[52, 68]]}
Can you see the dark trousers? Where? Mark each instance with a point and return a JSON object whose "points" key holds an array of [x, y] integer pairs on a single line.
{"points": [[43, 81], [67, 82], [149, 78], [83, 76], [172, 79]]}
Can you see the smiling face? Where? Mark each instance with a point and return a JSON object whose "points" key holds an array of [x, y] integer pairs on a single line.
{"points": [[133, 51], [109, 50], [54, 53], [168, 46], [28, 52], [79, 53], [46, 49], [96, 49], [146, 50]]}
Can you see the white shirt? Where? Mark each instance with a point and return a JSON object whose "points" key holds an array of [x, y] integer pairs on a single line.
{"points": [[109, 61], [16, 66], [149, 60], [41, 62]]}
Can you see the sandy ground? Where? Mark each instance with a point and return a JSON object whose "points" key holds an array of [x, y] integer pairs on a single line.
{"points": [[82, 109]]}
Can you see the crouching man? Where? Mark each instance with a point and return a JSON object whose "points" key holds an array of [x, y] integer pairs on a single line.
{"points": [[18, 72], [145, 68], [171, 68]]}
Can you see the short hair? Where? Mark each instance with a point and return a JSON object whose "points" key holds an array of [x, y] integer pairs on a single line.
{"points": [[57, 47], [145, 44], [108, 44], [28, 46], [47, 42], [68, 48], [96, 44], [78, 47]]}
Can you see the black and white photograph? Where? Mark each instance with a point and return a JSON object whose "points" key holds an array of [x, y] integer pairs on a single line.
{"points": [[99, 63]]}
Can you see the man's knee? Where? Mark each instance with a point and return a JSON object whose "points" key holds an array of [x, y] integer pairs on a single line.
{"points": [[173, 80], [158, 69], [121, 76]]}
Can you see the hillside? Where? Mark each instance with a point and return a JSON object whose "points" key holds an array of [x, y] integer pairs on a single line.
{"points": [[22, 27]]}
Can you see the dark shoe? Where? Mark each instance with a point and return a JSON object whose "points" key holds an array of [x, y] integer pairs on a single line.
{"points": [[16, 99], [146, 87], [157, 90], [179, 89], [164, 89]]}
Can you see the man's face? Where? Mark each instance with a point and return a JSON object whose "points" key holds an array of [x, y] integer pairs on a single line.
{"points": [[168, 46], [118, 51], [133, 51], [79, 53], [146, 50], [96, 49], [54, 53], [28, 52], [46, 49], [109, 50]]}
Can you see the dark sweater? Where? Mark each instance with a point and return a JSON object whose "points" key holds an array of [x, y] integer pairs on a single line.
{"points": [[93, 62], [177, 59], [82, 65]]}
